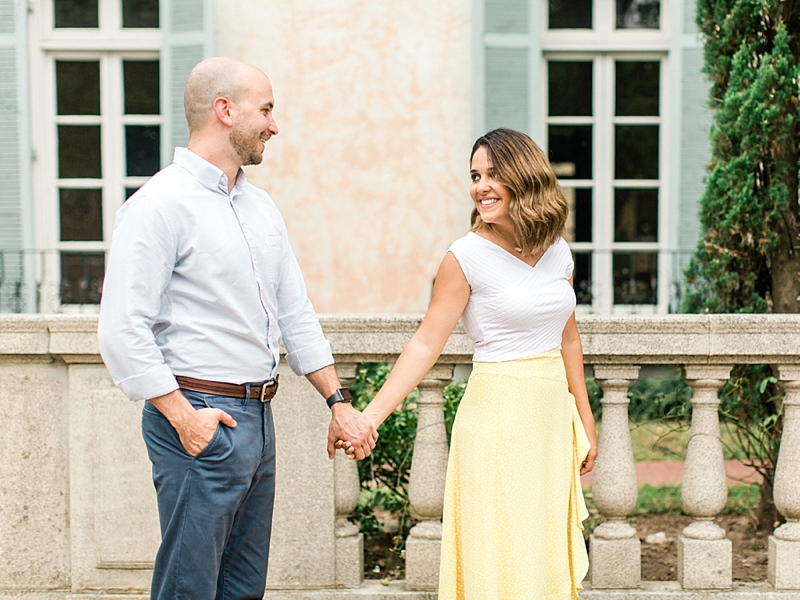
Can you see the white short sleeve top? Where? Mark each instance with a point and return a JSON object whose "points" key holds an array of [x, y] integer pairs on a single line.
{"points": [[514, 310]]}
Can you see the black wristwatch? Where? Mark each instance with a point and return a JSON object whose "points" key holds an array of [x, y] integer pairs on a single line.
{"points": [[340, 395]]}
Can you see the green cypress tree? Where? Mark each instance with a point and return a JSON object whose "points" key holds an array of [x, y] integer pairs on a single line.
{"points": [[748, 259]]}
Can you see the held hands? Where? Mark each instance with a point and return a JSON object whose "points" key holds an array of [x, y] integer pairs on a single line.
{"points": [[351, 430], [588, 463]]}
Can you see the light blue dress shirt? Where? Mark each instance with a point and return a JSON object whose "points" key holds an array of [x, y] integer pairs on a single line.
{"points": [[203, 284]]}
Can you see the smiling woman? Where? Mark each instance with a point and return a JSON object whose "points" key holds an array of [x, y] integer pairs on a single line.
{"points": [[518, 202], [512, 516]]}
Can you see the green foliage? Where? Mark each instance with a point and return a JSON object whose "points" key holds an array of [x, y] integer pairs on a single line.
{"points": [[752, 403], [751, 51], [384, 475], [658, 398]]}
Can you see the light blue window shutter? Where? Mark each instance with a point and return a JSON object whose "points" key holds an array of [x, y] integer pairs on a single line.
{"points": [[187, 29], [695, 147], [505, 69], [17, 287]]}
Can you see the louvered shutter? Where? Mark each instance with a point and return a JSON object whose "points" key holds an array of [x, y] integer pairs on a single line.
{"points": [[696, 120], [507, 65], [17, 288], [187, 28]]}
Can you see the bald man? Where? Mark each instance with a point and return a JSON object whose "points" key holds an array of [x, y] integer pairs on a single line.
{"points": [[201, 287]]}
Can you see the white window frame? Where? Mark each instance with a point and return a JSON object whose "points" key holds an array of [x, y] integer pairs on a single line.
{"points": [[603, 45], [110, 44]]}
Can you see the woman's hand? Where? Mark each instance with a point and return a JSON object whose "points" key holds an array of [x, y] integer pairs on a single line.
{"points": [[347, 447], [591, 459]]}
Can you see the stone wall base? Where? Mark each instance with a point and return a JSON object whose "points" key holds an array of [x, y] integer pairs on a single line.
{"points": [[704, 564], [422, 563], [395, 590], [783, 568], [616, 564], [350, 560]]}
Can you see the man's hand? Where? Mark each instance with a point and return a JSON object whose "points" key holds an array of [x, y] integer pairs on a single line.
{"points": [[353, 430], [195, 427]]}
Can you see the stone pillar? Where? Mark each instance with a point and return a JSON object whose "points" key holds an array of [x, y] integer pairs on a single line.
{"points": [[426, 484], [346, 486], [704, 553], [614, 548], [783, 567]]}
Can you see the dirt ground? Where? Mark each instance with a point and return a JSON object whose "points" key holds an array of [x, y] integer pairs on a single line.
{"points": [[660, 561]]}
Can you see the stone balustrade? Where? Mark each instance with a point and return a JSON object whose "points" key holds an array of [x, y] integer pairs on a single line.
{"points": [[77, 508]]}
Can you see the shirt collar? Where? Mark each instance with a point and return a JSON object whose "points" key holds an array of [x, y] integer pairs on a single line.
{"points": [[209, 175]]}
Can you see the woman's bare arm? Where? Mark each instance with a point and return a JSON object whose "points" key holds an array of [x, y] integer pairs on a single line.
{"points": [[572, 353], [450, 296]]}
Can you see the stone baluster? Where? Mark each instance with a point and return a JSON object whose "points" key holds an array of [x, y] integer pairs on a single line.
{"points": [[615, 549], [349, 541], [704, 553], [426, 484], [783, 568]]}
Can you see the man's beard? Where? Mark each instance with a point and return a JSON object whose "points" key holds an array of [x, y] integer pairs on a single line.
{"points": [[247, 145]]}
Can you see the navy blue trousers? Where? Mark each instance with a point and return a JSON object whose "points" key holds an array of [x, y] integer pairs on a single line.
{"points": [[215, 508]]}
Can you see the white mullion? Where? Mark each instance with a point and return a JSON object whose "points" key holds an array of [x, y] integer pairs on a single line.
{"points": [[603, 17], [637, 120], [570, 120], [604, 171], [665, 263], [78, 119], [637, 183]]}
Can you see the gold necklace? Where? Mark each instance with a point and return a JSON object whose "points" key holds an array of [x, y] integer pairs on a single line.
{"points": [[516, 248]]}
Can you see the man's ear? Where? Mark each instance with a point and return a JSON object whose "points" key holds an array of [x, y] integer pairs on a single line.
{"points": [[223, 110]]}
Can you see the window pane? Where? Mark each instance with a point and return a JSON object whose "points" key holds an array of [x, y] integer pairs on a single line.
{"points": [[637, 88], [141, 87], [506, 16], [579, 220], [570, 150], [78, 87], [81, 215], [636, 151], [75, 13], [81, 277], [582, 277], [79, 151], [141, 149], [635, 215], [570, 14], [569, 88], [638, 14], [140, 13], [130, 192], [635, 278]]}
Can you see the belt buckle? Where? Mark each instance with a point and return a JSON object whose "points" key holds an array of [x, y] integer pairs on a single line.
{"points": [[267, 387]]}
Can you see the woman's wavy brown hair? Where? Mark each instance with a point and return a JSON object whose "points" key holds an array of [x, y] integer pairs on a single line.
{"points": [[538, 208]]}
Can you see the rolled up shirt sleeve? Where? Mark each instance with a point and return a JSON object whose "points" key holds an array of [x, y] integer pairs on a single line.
{"points": [[307, 348], [141, 261]]}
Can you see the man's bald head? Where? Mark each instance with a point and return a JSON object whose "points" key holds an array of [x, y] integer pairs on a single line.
{"points": [[211, 79]]}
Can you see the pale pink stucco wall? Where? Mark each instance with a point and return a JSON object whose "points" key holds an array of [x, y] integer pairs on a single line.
{"points": [[370, 168]]}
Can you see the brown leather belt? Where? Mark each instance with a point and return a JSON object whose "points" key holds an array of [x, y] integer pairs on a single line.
{"points": [[263, 390]]}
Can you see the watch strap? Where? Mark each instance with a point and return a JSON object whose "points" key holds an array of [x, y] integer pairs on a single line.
{"points": [[340, 395]]}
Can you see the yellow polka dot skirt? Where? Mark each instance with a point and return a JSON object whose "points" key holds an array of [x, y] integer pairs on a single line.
{"points": [[513, 502]]}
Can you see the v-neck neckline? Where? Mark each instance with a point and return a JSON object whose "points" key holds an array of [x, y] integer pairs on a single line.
{"points": [[512, 256]]}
